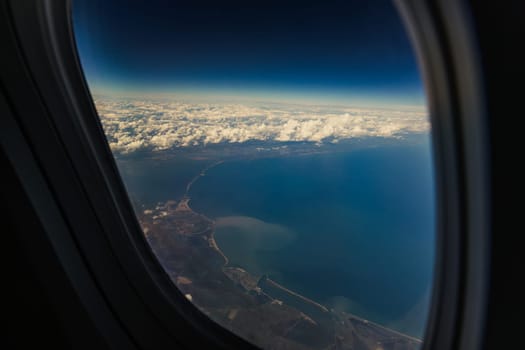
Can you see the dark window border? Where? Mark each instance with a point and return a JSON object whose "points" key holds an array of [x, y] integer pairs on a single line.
{"points": [[57, 147], [443, 35]]}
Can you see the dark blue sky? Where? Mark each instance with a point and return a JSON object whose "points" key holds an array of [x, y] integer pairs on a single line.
{"points": [[351, 51]]}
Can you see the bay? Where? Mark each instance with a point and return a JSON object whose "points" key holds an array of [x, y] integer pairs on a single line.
{"points": [[354, 231]]}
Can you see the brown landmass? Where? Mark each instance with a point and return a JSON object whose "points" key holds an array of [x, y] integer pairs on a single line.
{"points": [[258, 309]]}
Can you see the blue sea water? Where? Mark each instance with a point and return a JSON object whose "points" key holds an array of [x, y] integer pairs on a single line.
{"points": [[150, 180], [353, 230]]}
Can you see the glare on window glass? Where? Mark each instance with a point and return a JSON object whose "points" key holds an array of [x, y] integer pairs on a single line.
{"points": [[278, 158]]}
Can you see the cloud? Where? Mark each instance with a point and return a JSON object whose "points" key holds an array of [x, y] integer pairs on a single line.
{"points": [[132, 124]]}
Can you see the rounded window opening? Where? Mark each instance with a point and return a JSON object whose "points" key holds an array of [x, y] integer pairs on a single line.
{"points": [[278, 157]]}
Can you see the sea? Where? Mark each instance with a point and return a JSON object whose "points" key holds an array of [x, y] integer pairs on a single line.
{"points": [[352, 230]]}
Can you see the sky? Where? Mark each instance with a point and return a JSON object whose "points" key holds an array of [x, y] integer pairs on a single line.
{"points": [[335, 52]]}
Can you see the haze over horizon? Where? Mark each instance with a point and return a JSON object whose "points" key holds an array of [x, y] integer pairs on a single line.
{"points": [[337, 52]]}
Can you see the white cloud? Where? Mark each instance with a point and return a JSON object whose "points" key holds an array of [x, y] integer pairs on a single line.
{"points": [[157, 125]]}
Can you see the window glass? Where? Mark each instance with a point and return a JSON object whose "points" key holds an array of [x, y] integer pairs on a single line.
{"points": [[278, 157]]}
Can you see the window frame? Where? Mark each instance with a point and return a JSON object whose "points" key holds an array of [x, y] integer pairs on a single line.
{"points": [[443, 36], [93, 229]]}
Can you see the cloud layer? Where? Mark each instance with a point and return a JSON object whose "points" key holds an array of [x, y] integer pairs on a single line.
{"points": [[132, 124]]}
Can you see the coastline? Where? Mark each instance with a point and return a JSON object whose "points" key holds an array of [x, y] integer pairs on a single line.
{"points": [[215, 246]]}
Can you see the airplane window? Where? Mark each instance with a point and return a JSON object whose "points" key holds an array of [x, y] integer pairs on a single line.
{"points": [[278, 157]]}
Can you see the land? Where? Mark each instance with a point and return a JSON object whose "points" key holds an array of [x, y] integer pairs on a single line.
{"points": [[267, 149], [254, 307]]}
